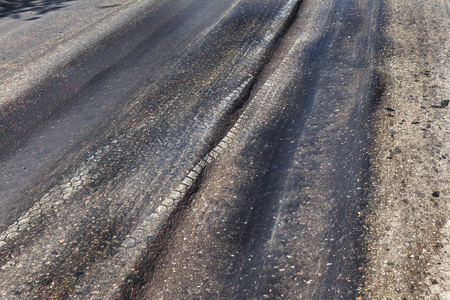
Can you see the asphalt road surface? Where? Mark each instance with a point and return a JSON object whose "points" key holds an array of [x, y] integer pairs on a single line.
{"points": [[229, 149]]}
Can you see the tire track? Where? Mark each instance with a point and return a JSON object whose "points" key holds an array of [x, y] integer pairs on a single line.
{"points": [[278, 215], [77, 226]]}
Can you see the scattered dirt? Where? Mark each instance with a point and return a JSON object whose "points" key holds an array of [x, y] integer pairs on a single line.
{"points": [[408, 224]]}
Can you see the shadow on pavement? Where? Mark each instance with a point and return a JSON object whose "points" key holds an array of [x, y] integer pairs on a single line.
{"points": [[15, 8]]}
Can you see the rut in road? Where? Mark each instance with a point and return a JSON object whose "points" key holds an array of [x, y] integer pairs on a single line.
{"points": [[278, 215], [93, 183]]}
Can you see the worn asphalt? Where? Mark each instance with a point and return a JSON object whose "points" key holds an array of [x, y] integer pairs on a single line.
{"points": [[224, 149]]}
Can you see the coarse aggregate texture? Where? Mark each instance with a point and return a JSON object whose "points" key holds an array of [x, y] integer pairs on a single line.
{"points": [[277, 215], [58, 32], [197, 149], [88, 190], [408, 214]]}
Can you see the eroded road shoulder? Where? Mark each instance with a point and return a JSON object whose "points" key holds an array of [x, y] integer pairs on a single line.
{"points": [[408, 217]]}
